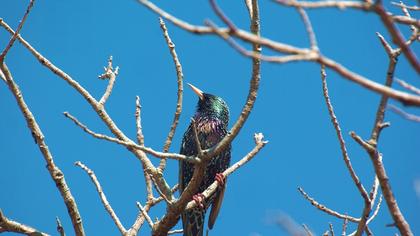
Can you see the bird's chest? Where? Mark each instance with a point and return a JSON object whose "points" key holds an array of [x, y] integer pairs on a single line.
{"points": [[210, 132]]}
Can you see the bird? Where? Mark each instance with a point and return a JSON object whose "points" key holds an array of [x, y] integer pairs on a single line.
{"points": [[211, 121]]}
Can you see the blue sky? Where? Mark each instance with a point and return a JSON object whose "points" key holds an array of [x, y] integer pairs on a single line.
{"points": [[79, 36]]}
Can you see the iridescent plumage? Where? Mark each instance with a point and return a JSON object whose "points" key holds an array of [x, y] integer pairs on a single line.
{"points": [[211, 119]]}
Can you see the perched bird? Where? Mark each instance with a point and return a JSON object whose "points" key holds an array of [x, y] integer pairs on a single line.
{"points": [[210, 119]]}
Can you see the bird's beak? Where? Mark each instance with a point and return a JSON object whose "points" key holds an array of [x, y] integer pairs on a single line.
{"points": [[197, 91]]}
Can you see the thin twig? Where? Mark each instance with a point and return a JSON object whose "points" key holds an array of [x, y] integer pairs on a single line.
{"points": [[140, 136], [366, 224], [307, 230], [176, 231], [130, 144], [343, 231], [337, 128], [222, 16], [375, 213], [180, 79], [159, 199], [111, 75], [160, 192], [404, 9], [389, 50], [326, 209], [16, 33], [408, 86], [102, 195], [397, 37], [7, 225], [380, 171], [248, 4], [60, 228], [331, 229], [140, 217], [144, 212], [260, 143], [326, 3], [101, 112], [134, 229], [55, 172], [309, 28], [402, 5], [307, 56], [404, 114], [406, 20]]}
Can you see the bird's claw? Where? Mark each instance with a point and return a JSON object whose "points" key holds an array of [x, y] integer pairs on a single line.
{"points": [[220, 178], [199, 198]]}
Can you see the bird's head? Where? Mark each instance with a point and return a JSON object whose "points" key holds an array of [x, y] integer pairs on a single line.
{"points": [[211, 105]]}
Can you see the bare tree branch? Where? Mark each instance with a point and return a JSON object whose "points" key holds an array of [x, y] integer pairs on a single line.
{"points": [[145, 215], [154, 175], [307, 56], [60, 228], [16, 33], [7, 225], [397, 37], [176, 231], [400, 4], [331, 229], [408, 86], [309, 29], [405, 98], [180, 79], [378, 8], [260, 143], [375, 213], [111, 75], [342, 5], [137, 114], [404, 9], [104, 200], [55, 173], [380, 171], [326, 209], [337, 128], [101, 112], [130, 144], [343, 231], [371, 148], [404, 114], [327, 3]]}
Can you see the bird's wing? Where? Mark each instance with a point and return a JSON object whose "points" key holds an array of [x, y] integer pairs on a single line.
{"points": [[217, 204], [186, 149], [192, 220], [224, 161]]}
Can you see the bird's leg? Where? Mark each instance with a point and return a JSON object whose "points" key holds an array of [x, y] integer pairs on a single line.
{"points": [[199, 198], [220, 178]]}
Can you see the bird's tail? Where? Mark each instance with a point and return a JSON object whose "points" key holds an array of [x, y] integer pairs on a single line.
{"points": [[193, 222]]}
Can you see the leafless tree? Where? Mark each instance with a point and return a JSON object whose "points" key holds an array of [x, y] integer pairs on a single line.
{"points": [[154, 175]]}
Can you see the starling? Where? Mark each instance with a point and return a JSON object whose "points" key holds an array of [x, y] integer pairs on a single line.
{"points": [[211, 119]]}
